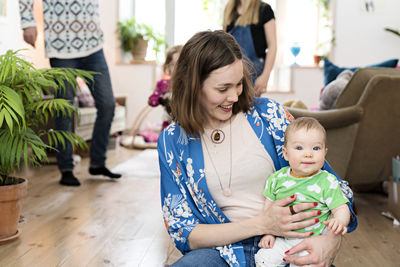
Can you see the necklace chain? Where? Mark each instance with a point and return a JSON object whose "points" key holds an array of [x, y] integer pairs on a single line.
{"points": [[226, 191]]}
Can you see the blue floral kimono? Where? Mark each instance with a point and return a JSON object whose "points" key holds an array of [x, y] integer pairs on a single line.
{"points": [[186, 200]]}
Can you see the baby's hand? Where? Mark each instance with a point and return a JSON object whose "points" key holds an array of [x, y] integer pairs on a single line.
{"points": [[335, 226], [267, 241]]}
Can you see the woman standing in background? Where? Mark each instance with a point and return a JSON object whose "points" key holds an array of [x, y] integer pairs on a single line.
{"points": [[252, 24]]}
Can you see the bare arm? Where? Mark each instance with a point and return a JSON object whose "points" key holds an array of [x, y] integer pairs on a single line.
{"points": [[339, 220], [275, 220], [342, 214], [268, 240], [270, 35]]}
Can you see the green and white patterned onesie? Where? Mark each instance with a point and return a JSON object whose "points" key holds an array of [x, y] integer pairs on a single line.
{"points": [[322, 188]]}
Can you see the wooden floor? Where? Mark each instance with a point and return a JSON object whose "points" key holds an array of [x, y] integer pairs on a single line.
{"points": [[106, 223]]}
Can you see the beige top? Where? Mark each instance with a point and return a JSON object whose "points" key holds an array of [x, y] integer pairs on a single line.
{"points": [[251, 166]]}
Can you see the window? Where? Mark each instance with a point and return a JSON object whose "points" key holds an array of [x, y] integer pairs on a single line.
{"points": [[192, 16], [177, 20], [303, 23]]}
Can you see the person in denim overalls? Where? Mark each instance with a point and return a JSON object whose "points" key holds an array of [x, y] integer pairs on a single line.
{"points": [[252, 24]]}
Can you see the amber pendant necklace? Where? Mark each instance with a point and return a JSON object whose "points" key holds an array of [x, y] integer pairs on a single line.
{"points": [[217, 136]]}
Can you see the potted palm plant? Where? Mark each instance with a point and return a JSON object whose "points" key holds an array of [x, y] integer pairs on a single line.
{"points": [[24, 112], [134, 38]]}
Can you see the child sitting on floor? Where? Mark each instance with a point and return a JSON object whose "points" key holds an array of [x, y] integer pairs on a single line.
{"points": [[162, 92]]}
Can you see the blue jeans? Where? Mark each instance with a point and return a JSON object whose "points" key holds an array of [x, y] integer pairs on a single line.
{"points": [[210, 257], [102, 92]]}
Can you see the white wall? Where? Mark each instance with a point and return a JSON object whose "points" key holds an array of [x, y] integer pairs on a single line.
{"points": [[360, 38], [11, 35], [306, 84]]}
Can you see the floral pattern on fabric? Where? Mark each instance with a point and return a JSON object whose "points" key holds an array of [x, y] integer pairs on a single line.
{"points": [[185, 198], [162, 88]]}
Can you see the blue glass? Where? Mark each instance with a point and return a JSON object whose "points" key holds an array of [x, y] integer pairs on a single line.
{"points": [[295, 49]]}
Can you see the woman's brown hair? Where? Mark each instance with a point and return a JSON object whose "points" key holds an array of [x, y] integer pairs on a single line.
{"points": [[205, 52]]}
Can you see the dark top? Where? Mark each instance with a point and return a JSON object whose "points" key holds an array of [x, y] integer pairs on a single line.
{"points": [[257, 30]]}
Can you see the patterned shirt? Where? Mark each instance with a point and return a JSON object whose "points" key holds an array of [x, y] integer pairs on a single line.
{"points": [[71, 27], [322, 188], [185, 198]]}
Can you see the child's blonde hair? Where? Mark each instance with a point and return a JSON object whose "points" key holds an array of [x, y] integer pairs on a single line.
{"points": [[168, 58], [304, 123]]}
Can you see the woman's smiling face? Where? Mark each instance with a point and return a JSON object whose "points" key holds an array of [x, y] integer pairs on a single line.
{"points": [[220, 91]]}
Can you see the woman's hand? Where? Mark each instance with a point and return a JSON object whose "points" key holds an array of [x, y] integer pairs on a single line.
{"points": [[260, 84], [322, 250], [278, 220], [30, 35]]}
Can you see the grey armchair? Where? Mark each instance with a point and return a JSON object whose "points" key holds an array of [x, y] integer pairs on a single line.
{"points": [[363, 132]]}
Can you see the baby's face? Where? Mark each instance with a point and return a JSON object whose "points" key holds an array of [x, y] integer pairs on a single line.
{"points": [[305, 150]]}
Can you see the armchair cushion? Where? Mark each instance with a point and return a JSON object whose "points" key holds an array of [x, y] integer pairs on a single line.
{"points": [[84, 122], [331, 71], [83, 94], [331, 92]]}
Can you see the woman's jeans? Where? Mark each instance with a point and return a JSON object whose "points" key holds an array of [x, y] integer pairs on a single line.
{"points": [[102, 92], [210, 257]]}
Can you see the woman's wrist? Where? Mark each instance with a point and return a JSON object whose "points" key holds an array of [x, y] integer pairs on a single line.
{"points": [[211, 235], [334, 237], [256, 225], [335, 240]]}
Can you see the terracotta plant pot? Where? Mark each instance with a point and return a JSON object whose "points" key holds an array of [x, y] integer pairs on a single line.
{"points": [[139, 49], [10, 206], [317, 59]]}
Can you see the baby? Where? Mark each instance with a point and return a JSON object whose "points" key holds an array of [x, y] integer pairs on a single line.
{"points": [[305, 149]]}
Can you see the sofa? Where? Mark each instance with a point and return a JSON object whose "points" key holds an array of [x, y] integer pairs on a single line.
{"points": [[363, 130], [84, 122]]}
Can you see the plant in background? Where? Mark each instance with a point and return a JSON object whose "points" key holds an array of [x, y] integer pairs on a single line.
{"points": [[130, 33], [25, 112], [395, 32], [324, 4]]}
